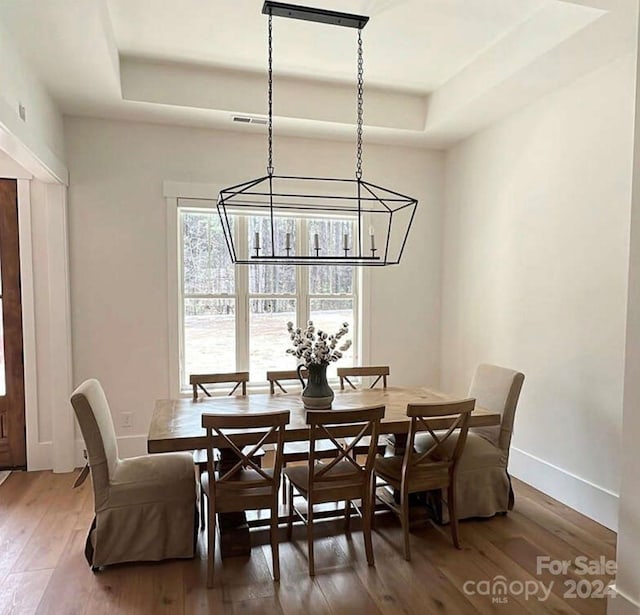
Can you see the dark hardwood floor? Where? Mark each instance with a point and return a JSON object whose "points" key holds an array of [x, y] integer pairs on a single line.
{"points": [[43, 525]]}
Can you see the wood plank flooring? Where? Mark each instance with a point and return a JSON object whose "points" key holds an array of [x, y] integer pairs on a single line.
{"points": [[43, 526]]}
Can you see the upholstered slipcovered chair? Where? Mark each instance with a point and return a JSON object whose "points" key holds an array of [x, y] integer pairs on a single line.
{"points": [[483, 485], [145, 507]]}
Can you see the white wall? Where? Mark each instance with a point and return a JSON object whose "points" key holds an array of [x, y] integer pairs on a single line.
{"points": [[627, 598], [37, 145], [118, 248], [38, 141], [33, 150], [536, 246]]}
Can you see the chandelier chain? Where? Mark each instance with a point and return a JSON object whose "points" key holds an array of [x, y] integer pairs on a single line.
{"points": [[360, 107], [270, 123], [298, 197]]}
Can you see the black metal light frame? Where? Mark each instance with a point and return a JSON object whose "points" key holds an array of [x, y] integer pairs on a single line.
{"points": [[364, 203]]}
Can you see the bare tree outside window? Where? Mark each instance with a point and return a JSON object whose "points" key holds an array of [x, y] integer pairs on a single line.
{"points": [[236, 322]]}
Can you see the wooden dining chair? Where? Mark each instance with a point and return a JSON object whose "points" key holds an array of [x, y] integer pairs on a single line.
{"points": [[198, 382], [296, 451], [244, 486], [338, 479], [275, 378], [381, 372], [434, 468]]}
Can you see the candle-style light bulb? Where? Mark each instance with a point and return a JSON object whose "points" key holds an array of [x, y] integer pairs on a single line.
{"points": [[287, 241], [316, 242], [256, 241], [345, 241], [372, 238]]}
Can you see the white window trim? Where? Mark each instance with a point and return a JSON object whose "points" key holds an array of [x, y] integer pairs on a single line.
{"points": [[172, 191]]}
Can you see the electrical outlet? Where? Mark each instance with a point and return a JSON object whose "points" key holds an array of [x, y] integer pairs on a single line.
{"points": [[126, 420]]}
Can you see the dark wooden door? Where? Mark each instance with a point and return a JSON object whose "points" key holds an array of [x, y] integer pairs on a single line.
{"points": [[12, 414]]}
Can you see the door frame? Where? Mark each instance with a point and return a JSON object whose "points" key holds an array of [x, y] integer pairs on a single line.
{"points": [[35, 458], [52, 441]]}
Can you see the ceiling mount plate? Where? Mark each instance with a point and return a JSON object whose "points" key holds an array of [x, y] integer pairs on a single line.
{"points": [[307, 13]]}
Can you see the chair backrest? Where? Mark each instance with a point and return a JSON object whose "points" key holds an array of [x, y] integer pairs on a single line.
{"points": [[232, 430], [276, 377], [96, 424], [326, 425], [441, 454], [197, 381], [381, 371], [497, 389]]}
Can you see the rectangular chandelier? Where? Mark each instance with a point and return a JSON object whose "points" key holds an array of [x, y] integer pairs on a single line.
{"points": [[381, 218]]}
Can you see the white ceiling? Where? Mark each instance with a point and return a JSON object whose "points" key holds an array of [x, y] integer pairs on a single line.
{"points": [[435, 70], [417, 44]]}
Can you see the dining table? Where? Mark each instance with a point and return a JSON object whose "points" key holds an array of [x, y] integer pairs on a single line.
{"points": [[176, 425]]}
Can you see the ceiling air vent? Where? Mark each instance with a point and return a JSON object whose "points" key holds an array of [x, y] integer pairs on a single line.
{"points": [[247, 119]]}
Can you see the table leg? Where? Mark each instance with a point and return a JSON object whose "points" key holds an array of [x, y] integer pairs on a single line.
{"points": [[234, 529], [399, 447], [399, 443]]}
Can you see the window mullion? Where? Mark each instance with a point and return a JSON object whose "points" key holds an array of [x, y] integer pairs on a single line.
{"points": [[302, 288], [182, 377], [209, 296], [242, 299], [328, 296]]}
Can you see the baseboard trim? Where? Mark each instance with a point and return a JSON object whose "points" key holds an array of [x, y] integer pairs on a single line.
{"points": [[621, 604], [40, 457], [591, 500]]}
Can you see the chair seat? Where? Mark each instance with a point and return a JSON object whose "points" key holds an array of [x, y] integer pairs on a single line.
{"points": [[166, 477], [433, 476], [238, 497], [299, 451], [478, 452], [336, 489]]}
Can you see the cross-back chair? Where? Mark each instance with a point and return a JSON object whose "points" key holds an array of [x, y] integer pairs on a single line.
{"points": [[277, 377], [378, 371], [342, 478], [381, 372], [198, 381], [430, 469], [296, 451], [245, 485]]}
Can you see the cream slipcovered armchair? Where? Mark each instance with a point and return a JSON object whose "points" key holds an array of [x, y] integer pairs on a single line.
{"points": [[145, 507], [483, 486]]}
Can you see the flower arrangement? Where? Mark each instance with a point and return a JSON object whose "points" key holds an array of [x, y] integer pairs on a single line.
{"points": [[313, 347]]}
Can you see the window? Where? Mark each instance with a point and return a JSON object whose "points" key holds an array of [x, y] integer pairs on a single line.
{"points": [[234, 318]]}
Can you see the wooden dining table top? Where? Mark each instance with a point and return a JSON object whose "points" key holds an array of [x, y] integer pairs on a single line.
{"points": [[176, 424]]}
